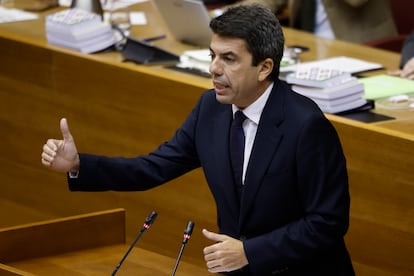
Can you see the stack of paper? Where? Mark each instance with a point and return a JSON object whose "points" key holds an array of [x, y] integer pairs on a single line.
{"points": [[342, 63], [79, 30], [196, 59], [333, 91]]}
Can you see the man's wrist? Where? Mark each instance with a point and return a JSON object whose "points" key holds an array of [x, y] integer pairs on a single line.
{"points": [[74, 171], [73, 174]]}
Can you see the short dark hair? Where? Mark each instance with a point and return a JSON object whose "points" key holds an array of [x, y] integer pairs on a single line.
{"points": [[256, 25]]}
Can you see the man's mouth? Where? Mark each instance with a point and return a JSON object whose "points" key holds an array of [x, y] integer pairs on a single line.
{"points": [[219, 87]]}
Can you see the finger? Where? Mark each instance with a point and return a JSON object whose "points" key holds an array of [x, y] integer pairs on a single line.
{"points": [[47, 157], [212, 259], [50, 147], [210, 253], [64, 128], [213, 236], [213, 266], [216, 269], [46, 162]]}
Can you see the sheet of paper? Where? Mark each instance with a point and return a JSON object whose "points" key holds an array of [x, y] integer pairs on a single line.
{"points": [[15, 15], [196, 59], [202, 55], [381, 86], [138, 18]]}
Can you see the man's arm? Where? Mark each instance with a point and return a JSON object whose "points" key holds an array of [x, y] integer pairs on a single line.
{"points": [[407, 52], [407, 59]]}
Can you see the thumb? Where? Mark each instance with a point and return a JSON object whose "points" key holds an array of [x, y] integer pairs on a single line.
{"points": [[213, 236], [64, 128]]}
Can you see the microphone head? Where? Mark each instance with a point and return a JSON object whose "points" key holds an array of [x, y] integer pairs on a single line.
{"points": [[151, 218], [190, 227], [188, 231]]}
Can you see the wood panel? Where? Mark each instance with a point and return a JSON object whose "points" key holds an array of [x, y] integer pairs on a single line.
{"points": [[6, 270], [87, 244], [380, 166]]}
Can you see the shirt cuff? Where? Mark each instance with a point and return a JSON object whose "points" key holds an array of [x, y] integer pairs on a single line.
{"points": [[73, 174]]}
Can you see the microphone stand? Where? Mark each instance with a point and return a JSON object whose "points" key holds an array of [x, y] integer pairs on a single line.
{"points": [[147, 224], [187, 235]]}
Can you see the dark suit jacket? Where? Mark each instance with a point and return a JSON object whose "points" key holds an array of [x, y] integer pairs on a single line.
{"points": [[294, 209]]}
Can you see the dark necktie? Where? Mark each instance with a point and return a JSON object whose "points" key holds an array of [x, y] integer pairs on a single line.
{"points": [[237, 146]]}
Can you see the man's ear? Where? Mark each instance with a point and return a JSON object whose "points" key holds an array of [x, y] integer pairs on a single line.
{"points": [[265, 69]]}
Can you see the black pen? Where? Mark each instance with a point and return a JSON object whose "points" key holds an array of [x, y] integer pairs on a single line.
{"points": [[158, 37]]}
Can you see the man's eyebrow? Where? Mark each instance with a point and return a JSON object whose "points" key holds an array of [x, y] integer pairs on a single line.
{"points": [[223, 54], [228, 53]]}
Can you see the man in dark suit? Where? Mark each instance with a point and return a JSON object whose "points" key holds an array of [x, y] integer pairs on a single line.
{"points": [[285, 208]]}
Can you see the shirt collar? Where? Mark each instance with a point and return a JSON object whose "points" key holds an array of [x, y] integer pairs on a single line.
{"points": [[254, 111]]}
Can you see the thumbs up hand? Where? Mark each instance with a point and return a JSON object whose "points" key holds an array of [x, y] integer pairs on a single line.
{"points": [[61, 155]]}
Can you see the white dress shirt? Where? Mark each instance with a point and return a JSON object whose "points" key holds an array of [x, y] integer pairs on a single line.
{"points": [[253, 113]]}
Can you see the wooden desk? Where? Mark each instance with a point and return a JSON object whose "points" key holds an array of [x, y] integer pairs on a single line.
{"points": [[117, 108], [88, 244], [113, 108]]}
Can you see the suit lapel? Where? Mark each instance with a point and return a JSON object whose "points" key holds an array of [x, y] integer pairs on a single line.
{"points": [[265, 146], [221, 139]]}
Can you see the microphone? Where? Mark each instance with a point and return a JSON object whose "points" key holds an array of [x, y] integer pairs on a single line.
{"points": [[187, 235], [147, 224]]}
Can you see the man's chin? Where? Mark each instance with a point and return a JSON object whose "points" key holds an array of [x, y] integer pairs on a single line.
{"points": [[223, 99]]}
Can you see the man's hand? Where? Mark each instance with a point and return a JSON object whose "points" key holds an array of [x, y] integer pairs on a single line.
{"points": [[407, 71], [61, 155], [227, 254]]}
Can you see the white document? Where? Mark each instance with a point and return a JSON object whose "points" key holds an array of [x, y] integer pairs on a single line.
{"points": [[196, 59], [342, 63], [15, 15]]}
